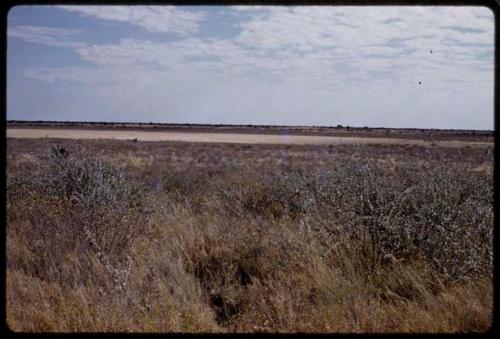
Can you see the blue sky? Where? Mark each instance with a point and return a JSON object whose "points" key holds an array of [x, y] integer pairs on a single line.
{"points": [[356, 66]]}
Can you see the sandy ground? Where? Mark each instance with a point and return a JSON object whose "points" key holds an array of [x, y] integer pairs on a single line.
{"points": [[228, 138]]}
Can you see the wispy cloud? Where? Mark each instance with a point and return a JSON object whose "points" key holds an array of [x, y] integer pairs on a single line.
{"points": [[164, 19], [62, 37], [249, 8]]}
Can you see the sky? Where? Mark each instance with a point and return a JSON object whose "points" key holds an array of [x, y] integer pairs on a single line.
{"points": [[415, 67]]}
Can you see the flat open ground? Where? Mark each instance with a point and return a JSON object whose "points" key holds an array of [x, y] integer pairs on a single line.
{"points": [[237, 138]]}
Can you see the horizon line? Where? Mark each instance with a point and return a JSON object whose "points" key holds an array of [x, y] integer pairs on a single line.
{"points": [[339, 126]]}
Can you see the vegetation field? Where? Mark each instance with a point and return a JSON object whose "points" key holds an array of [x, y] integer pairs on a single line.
{"points": [[122, 236]]}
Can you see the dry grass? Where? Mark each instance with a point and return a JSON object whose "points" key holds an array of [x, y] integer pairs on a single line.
{"points": [[173, 237]]}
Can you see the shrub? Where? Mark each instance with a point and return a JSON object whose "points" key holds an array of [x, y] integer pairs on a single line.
{"points": [[78, 201], [415, 211]]}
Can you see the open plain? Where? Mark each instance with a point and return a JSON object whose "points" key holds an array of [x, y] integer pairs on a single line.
{"points": [[239, 138], [247, 232]]}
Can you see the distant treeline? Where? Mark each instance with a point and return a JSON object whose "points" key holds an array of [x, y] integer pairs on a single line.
{"points": [[235, 126]]}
